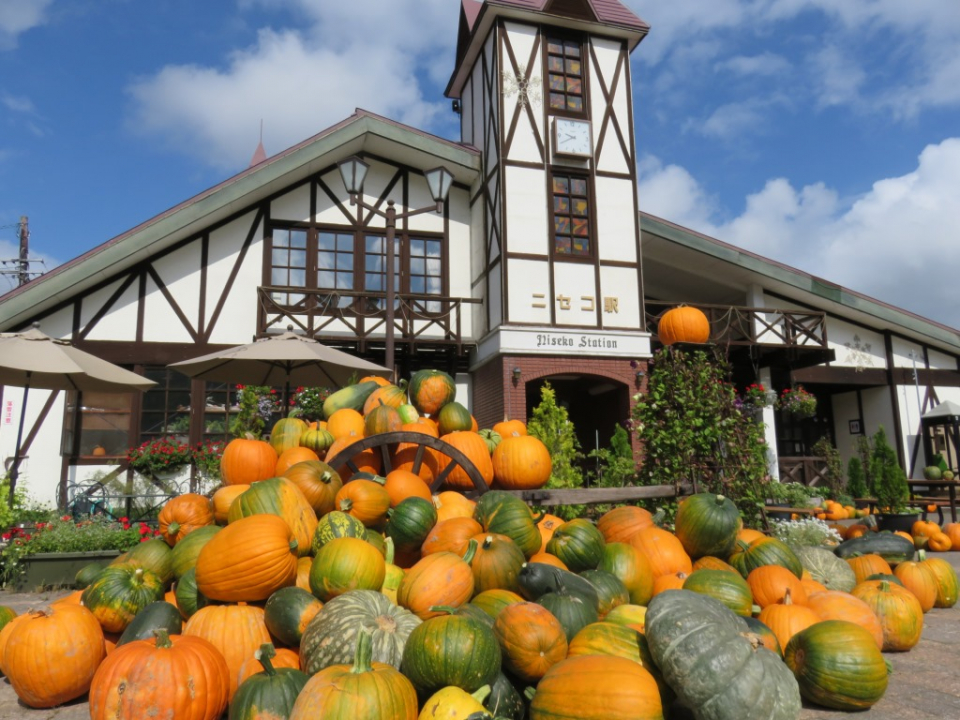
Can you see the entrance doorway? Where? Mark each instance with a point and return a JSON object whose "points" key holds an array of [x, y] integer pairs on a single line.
{"points": [[595, 405]]}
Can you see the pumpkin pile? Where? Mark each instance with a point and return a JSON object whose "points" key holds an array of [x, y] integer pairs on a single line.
{"points": [[505, 456], [403, 605]]}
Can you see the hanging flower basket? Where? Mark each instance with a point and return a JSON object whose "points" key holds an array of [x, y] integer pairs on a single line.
{"points": [[798, 402]]}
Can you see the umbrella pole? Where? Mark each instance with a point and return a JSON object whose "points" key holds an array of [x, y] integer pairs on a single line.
{"points": [[15, 468]]}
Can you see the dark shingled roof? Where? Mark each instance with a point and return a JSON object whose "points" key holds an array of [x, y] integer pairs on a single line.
{"points": [[606, 11]]}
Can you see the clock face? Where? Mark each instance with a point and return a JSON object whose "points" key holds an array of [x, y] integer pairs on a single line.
{"points": [[572, 137]]}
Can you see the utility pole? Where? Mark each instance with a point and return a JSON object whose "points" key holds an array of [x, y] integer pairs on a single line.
{"points": [[19, 267]]}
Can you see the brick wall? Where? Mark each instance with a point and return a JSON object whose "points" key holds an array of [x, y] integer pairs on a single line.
{"points": [[495, 390]]}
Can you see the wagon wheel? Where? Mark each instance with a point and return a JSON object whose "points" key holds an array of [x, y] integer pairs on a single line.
{"points": [[387, 441]]}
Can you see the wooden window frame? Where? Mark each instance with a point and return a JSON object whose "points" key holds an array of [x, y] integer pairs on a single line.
{"points": [[551, 35], [360, 234], [591, 217]]}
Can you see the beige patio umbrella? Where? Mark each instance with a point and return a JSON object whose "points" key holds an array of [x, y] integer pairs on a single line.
{"points": [[279, 361], [31, 359]]}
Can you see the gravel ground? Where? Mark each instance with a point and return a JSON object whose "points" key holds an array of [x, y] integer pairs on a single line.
{"points": [[925, 683]]}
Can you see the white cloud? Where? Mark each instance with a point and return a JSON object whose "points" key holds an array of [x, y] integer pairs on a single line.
{"points": [[732, 120], [897, 242], [18, 16], [837, 77], [764, 64], [302, 81], [17, 104]]}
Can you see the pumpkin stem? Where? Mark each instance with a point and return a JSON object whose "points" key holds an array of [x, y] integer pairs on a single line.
{"points": [[720, 499], [389, 550], [345, 505], [448, 609], [529, 692], [264, 655], [173, 528], [884, 586], [921, 555], [294, 545], [364, 653], [659, 517], [787, 598], [471, 551], [487, 542], [163, 638], [538, 518], [482, 693]]}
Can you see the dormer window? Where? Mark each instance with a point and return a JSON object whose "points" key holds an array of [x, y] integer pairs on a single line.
{"points": [[565, 75]]}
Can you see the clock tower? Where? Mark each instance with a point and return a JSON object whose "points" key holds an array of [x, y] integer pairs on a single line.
{"points": [[544, 92]]}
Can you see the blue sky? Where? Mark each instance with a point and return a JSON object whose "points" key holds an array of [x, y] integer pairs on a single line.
{"points": [[821, 133]]}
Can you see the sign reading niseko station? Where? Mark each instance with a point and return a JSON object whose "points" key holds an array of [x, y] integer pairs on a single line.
{"points": [[550, 341]]}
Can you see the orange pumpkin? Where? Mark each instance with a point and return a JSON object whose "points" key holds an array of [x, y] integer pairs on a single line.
{"points": [[389, 395], [663, 550], [50, 657], [343, 422], [622, 523], [223, 499], [547, 559], [531, 638], [246, 460], [952, 531], [367, 461], [237, 631], [521, 462], [674, 581], [548, 524], [507, 428], [837, 605], [248, 560], [285, 434], [366, 500], [303, 573], [318, 482], [471, 445], [786, 618], [866, 565], [439, 579], [683, 324], [291, 456], [382, 419], [771, 583], [940, 542], [898, 610], [920, 580], [401, 484], [451, 504], [279, 496], [709, 562], [182, 515], [451, 535]]}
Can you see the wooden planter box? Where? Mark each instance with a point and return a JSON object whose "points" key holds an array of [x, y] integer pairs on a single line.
{"points": [[58, 569]]}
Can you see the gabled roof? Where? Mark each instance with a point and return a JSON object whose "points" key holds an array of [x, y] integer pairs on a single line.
{"points": [[362, 131], [610, 17], [709, 257]]}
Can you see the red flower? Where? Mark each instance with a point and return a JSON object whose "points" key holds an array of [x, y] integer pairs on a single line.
{"points": [[125, 520], [5, 536], [144, 539], [64, 517], [144, 530]]}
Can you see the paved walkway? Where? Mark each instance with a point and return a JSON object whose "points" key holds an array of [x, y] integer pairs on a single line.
{"points": [[925, 684]]}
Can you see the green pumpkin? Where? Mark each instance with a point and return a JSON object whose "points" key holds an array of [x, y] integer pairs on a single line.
{"points": [[885, 576], [573, 611], [611, 592], [331, 637], [723, 585], [352, 396], [505, 701], [281, 497], [189, 598], [504, 514], [491, 439], [837, 665], [336, 524], [707, 524], [538, 579], [578, 544], [346, 564], [268, 694], [826, 568], [892, 548], [377, 540], [466, 610], [317, 440], [410, 522], [764, 551], [156, 556], [453, 417], [708, 660], [186, 552], [6, 615], [153, 617], [287, 612], [285, 434], [87, 574], [451, 650], [119, 593]]}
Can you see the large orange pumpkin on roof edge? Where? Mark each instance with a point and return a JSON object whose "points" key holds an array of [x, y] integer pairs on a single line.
{"points": [[683, 324]]}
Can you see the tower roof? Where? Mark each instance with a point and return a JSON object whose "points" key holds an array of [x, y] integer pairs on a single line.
{"points": [[612, 17]]}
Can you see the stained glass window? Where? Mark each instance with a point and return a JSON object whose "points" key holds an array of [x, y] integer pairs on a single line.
{"points": [[571, 216], [565, 75]]}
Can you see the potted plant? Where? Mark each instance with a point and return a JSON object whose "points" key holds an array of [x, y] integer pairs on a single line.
{"points": [[798, 402], [51, 554], [162, 458], [307, 403], [788, 494], [890, 487]]}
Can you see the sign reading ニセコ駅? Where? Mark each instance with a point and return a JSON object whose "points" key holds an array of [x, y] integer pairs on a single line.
{"points": [[552, 341]]}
